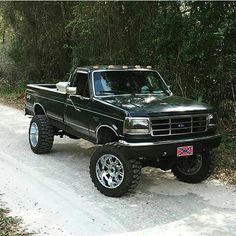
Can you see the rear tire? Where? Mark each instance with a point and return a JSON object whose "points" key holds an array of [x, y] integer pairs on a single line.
{"points": [[185, 170], [112, 173], [41, 135]]}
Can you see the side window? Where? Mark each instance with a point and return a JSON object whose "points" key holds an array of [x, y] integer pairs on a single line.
{"points": [[80, 81]]}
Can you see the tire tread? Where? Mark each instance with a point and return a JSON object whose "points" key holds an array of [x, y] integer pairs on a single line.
{"points": [[202, 175], [46, 135], [134, 168]]}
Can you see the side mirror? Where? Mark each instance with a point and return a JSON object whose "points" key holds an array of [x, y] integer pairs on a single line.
{"points": [[62, 86], [71, 90]]}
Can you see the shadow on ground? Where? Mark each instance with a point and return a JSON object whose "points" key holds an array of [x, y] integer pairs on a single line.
{"points": [[159, 201]]}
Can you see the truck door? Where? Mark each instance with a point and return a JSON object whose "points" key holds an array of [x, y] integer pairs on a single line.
{"points": [[77, 115]]}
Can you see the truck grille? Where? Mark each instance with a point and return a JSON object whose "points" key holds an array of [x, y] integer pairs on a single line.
{"points": [[178, 125]]}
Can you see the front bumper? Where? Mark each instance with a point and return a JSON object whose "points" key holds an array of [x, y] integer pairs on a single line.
{"points": [[156, 149]]}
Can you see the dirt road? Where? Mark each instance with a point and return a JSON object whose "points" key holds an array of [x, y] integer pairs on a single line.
{"points": [[55, 196]]}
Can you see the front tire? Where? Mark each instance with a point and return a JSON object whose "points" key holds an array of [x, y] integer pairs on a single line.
{"points": [[112, 173], [41, 135], [195, 169]]}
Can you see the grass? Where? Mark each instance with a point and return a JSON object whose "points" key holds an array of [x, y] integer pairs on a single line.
{"points": [[11, 226], [14, 99], [226, 160]]}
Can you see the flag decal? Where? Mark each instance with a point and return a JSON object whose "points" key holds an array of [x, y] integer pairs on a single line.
{"points": [[184, 151]]}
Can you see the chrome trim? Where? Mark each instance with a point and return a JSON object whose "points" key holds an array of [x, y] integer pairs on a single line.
{"points": [[179, 116], [81, 71], [107, 126], [79, 126], [168, 87], [98, 113], [109, 171], [34, 134], [70, 76], [39, 86], [138, 118], [211, 125], [158, 143], [78, 70], [47, 98], [54, 117], [114, 127], [80, 108], [170, 129], [40, 106], [92, 131], [191, 124]]}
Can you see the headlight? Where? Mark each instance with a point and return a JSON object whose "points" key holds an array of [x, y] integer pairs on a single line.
{"points": [[136, 126], [211, 119]]}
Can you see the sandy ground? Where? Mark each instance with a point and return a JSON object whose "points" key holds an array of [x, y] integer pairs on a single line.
{"points": [[54, 195]]}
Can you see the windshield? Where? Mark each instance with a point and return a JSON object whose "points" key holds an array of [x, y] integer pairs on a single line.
{"points": [[128, 82]]}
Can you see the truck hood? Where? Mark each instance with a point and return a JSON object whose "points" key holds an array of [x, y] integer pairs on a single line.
{"points": [[152, 105]]}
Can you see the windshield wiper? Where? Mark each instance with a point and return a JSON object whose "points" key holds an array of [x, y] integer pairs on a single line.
{"points": [[113, 92], [159, 92]]}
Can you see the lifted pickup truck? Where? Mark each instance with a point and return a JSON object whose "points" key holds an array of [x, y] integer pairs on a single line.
{"points": [[133, 116]]}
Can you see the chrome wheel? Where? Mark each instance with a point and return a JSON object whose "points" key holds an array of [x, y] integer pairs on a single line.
{"points": [[191, 165], [34, 134], [109, 171]]}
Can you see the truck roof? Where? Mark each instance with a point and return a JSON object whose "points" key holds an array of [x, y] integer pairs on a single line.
{"points": [[112, 67]]}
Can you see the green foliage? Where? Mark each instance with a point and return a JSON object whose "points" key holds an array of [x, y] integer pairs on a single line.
{"points": [[192, 44], [228, 143], [226, 156], [38, 46]]}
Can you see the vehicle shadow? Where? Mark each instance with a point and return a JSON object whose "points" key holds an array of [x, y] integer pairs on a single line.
{"points": [[159, 204], [74, 147]]}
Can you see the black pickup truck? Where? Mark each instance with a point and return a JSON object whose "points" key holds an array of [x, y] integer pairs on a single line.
{"points": [[131, 113]]}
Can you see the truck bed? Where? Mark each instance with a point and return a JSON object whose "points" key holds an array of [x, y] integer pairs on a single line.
{"points": [[51, 87], [48, 98]]}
